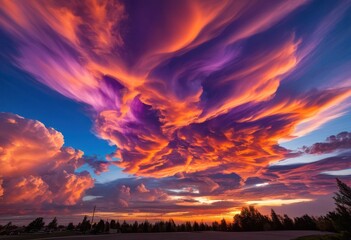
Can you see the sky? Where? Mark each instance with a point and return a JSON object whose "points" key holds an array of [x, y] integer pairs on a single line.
{"points": [[173, 109]]}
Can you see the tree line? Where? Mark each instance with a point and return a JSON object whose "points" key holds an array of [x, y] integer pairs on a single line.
{"points": [[249, 219]]}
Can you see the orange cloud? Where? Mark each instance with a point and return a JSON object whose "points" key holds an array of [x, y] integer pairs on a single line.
{"points": [[27, 190], [36, 168], [1, 188], [202, 100], [160, 102]]}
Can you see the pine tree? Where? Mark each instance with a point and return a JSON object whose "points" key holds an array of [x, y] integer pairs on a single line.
{"points": [[35, 225], [343, 198], [341, 217], [53, 224], [196, 226], [135, 227]]}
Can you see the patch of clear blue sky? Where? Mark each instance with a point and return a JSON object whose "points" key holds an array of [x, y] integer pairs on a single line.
{"points": [[22, 95], [19, 94], [111, 175], [333, 127]]}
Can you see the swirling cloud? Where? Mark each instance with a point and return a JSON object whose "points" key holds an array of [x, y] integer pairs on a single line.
{"points": [[202, 100], [47, 183]]}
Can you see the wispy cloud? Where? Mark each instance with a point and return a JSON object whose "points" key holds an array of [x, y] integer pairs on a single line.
{"points": [[195, 105]]}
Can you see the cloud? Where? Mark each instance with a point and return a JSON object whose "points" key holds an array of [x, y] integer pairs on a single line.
{"points": [[1, 188], [196, 105], [124, 196], [26, 145], [24, 190], [315, 182], [71, 187], [277, 202], [147, 102], [142, 189], [332, 143], [36, 167], [99, 166], [51, 183]]}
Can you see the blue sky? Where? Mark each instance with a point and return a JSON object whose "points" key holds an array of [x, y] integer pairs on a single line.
{"points": [[200, 104]]}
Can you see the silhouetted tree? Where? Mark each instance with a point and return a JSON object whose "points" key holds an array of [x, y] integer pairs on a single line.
{"points": [[100, 227], [223, 226], [107, 226], [9, 228], [202, 226], [305, 223], [93, 226], [8, 225], [135, 226], [171, 226], [341, 217], [35, 225], [124, 227], [288, 223], [196, 226], [182, 227], [159, 227], [276, 221], [215, 226], [188, 226], [113, 224], [70, 227], [325, 224], [147, 227], [53, 224], [250, 219], [85, 225]]}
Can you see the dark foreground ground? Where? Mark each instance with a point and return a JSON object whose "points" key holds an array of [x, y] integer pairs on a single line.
{"points": [[276, 235]]}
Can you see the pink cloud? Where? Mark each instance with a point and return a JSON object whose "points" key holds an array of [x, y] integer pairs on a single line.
{"points": [[169, 104], [142, 189], [30, 190], [36, 167], [1, 188], [196, 105], [332, 143]]}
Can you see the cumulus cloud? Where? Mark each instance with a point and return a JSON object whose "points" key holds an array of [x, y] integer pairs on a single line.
{"points": [[26, 145], [124, 196], [36, 167], [142, 189], [24, 190]]}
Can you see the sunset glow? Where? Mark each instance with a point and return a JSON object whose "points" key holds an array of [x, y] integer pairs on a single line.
{"points": [[173, 109]]}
